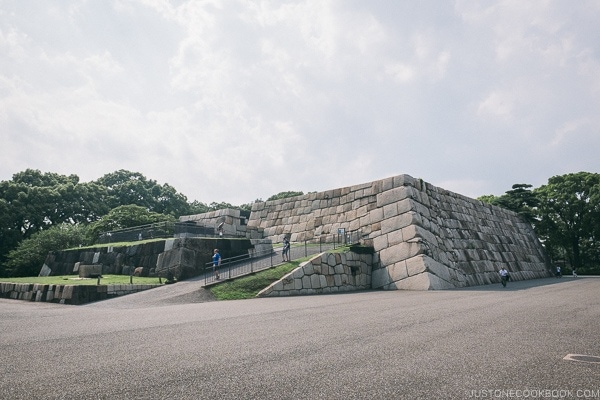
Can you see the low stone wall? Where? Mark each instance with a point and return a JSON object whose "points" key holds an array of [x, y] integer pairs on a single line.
{"points": [[325, 273], [67, 294]]}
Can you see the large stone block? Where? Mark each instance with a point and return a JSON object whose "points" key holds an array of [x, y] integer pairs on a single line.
{"points": [[437, 269], [415, 282], [90, 271], [399, 252], [392, 196], [397, 222], [397, 271], [416, 265]]}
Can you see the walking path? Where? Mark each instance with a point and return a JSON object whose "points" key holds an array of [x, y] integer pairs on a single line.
{"points": [[194, 290], [250, 266]]}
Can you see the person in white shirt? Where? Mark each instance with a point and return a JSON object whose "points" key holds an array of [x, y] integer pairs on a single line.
{"points": [[504, 276], [558, 273]]}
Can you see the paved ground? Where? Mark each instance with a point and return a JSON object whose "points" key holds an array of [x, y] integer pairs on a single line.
{"points": [[485, 342]]}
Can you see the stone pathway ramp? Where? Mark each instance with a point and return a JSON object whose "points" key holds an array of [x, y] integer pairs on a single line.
{"points": [[194, 290]]}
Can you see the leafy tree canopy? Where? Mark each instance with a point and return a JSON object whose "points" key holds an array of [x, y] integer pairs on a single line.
{"points": [[284, 195], [220, 206], [30, 254], [34, 177], [569, 217], [197, 207], [126, 217], [126, 187], [33, 201], [488, 198], [521, 199]]}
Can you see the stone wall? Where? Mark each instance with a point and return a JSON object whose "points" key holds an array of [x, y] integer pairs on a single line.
{"points": [[183, 257], [325, 273], [424, 237], [67, 294], [117, 260], [233, 221]]}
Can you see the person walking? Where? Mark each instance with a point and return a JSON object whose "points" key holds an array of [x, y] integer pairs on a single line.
{"points": [[216, 263], [285, 254], [504, 276], [558, 273], [574, 272]]}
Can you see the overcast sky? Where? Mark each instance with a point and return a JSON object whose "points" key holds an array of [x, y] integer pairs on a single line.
{"points": [[238, 100]]}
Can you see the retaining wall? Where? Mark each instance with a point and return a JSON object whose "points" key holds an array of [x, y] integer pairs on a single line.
{"points": [[183, 257], [325, 273], [67, 294], [424, 237], [232, 221]]}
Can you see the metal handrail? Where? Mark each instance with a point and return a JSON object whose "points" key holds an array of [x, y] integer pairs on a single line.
{"points": [[249, 263], [163, 229]]}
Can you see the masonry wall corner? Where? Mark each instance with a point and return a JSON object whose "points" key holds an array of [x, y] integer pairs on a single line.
{"points": [[424, 237]]}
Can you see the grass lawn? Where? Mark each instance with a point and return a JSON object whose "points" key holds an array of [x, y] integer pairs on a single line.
{"points": [[247, 287], [118, 244]]}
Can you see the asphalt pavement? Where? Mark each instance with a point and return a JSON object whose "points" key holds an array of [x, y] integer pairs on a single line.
{"points": [[482, 342]]}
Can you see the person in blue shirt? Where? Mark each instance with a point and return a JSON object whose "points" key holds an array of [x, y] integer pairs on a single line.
{"points": [[216, 263]]}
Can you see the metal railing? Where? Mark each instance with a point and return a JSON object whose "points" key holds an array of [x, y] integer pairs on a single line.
{"points": [[156, 230], [247, 264]]}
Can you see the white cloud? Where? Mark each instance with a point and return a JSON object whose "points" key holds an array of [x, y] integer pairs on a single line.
{"points": [[498, 103], [401, 73], [233, 101], [570, 131]]}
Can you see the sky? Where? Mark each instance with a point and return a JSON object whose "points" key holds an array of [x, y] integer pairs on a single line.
{"points": [[237, 100]]}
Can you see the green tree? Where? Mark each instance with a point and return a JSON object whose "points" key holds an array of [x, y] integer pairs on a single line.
{"points": [[284, 195], [569, 216], [521, 199], [220, 206], [488, 198], [35, 178], [29, 256], [197, 207], [126, 216], [126, 187], [33, 201]]}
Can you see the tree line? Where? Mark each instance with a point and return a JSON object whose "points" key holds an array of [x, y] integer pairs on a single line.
{"points": [[565, 214], [40, 212]]}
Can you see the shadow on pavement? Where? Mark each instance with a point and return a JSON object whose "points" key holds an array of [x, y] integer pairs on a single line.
{"points": [[521, 285]]}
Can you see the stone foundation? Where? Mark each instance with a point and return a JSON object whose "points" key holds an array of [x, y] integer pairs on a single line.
{"points": [[232, 221], [424, 237], [183, 257], [325, 273], [67, 294]]}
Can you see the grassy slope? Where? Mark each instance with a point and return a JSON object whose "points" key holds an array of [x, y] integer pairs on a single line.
{"points": [[247, 287]]}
